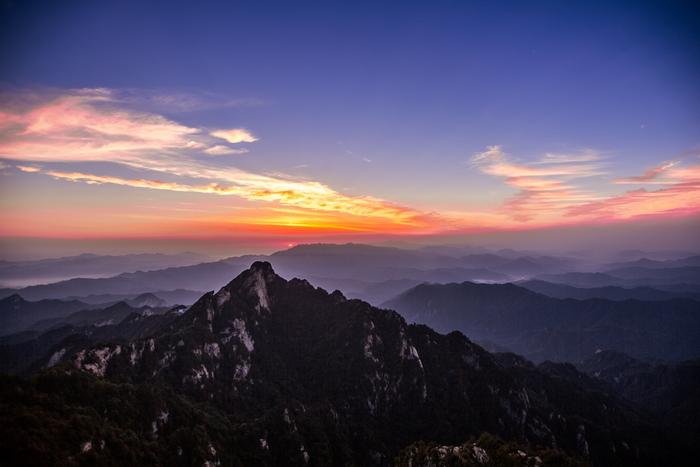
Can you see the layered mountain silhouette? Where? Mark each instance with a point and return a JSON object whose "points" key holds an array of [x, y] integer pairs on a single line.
{"points": [[542, 328], [90, 265], [274, 372], [364, 271], [17, 314], [610, 292], [685, 279]]}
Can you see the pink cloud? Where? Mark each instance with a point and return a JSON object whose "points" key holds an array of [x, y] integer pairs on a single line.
{"points": [[649, 176], [682, 196], [545, 185]]}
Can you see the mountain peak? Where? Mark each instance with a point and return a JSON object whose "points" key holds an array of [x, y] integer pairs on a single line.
{"points": [[14, 298], [262, 266], [254, 283]]}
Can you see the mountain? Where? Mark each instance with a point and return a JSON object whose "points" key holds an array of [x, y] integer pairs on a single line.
{"points": [[610, 293], [518, 266], [18, 353], [274, 372], [146, 299], [353, 268], [679, 279], [542, 328], [374, 264], [97, 317], [169, 297], [487, 450], [88, 265], [17, 314], [677, 275], [659, 255], [377, 293], [196, 277], [671, 391], [689, 261]]}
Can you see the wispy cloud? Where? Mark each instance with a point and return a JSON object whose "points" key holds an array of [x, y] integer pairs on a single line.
{"points": [[87, 126], [681, 195], [28, 168], [650, 176], [221, 150], [549, 191], [180, 100], [587, 155], [235, 135], [80, 135], [307, 195], [545, 186]]}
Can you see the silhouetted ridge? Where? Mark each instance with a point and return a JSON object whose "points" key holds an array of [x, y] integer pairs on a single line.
{"points": [[290, 374], [545, 328]]}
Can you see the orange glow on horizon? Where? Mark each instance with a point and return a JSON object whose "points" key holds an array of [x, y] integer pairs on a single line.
{"points": [[67, 139]]}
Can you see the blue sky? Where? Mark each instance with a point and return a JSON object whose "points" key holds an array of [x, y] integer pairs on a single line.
{"points": [[390, 100]]}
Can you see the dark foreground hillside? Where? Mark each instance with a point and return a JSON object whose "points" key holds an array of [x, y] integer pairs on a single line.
{"points": [[274, 372]]}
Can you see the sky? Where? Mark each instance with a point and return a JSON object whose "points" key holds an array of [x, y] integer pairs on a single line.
{"points": [[264, 124]]}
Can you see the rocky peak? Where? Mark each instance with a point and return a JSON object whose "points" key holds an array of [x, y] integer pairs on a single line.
{"points": [[265, 348], [251, 284], [146, 299]]}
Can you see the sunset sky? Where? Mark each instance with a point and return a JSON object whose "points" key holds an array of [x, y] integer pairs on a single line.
{"points": [[292, 121]]}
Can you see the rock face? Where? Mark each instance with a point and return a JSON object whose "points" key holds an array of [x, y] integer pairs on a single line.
{"points": [[308, 377]]}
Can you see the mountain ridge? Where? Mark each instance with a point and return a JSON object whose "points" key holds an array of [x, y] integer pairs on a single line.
{"points": [[542, 327], [348, 382]]}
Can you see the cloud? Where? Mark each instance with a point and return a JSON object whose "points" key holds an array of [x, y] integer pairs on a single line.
{"points": [[650, 176], [29, 168], [491, 155], [545, 186], [41, 133], [221, 150], [681, 195], [181, 101], [548, 190], [585, 156], [235, 135], [307, 195], [88, 126]]}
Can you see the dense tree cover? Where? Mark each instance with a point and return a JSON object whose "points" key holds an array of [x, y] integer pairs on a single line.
{"points": [[73, 418]]}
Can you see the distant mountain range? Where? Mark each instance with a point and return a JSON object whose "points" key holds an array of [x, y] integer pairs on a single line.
{"points": [[18, 314], [689, 261], [88, 265], [274, 372], [545, 328], [375, 273], [610, 292], [685, 279], [196, 277]]}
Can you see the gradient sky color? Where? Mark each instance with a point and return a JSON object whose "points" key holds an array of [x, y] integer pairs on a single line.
{"points": [[309, 119]]}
